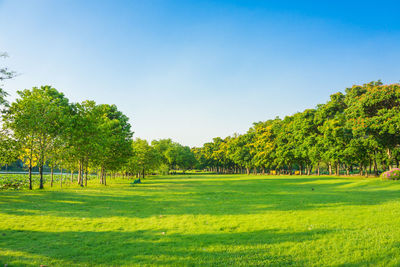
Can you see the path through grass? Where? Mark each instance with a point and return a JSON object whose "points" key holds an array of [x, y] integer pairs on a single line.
{"points": [[205, 220]]}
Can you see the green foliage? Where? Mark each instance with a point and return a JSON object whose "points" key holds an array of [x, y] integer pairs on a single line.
{"points": [[393, 174], [174, 155], [46, 128], [163, 169], [145, 158], [10, 149], [37, 118], [355, 130]]}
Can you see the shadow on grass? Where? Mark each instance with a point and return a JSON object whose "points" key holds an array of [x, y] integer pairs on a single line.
{"points": [[149, 247], [221, 196]]}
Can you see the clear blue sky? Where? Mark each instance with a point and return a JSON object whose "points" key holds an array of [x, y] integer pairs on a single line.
{"points": [[193, 70]]}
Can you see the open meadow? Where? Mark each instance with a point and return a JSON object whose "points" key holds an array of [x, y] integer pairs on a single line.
{"points": [[205, 220]]}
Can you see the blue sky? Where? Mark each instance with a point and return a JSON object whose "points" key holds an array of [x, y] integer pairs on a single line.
{"points": [[194, 70]]}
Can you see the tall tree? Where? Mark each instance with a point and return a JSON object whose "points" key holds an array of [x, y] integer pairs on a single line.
{"points": [[116, 140], [36, 118]]}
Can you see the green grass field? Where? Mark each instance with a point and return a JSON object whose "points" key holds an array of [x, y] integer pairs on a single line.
{"points": [[205, 220]]}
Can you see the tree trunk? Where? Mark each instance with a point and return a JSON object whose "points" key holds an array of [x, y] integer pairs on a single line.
{"points": [[82, 173], [248, 171], [389, 154], [79, 173], [30, 169], [86, 174], [318, 169], [338, 169], [52, 177], [61, 177], [370, 166], [30, 175], [330, 168], [375, 167], [143, 173], [41, 176]]}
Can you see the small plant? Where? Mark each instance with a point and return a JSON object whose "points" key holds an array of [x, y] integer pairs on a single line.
{"points": [[393, 174]]}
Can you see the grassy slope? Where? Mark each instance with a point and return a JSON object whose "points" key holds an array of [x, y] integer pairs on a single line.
{"points": [[213, 220]]}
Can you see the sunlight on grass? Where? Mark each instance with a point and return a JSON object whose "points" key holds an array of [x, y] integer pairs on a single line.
{"points": [[205, 220]]}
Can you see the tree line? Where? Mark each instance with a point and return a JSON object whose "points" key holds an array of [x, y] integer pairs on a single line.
{"points": [[42, 127], [356, 131]]}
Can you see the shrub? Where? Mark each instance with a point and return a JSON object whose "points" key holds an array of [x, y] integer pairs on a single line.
{"points": [[393, 174]]}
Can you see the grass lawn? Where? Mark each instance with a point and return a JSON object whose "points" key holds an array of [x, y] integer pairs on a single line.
{"points": [[205, 220]]}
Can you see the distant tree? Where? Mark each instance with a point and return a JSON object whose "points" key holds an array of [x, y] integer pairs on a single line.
{"points": [[264, 144], [145, 158], [162, 147], [239, 151]]}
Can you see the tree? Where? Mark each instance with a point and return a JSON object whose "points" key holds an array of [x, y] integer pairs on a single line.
{"points": [[5, 74], [115, 142], [375, 114], [83, 136], [264, 144], [239, 151], [36, 119], [355, 129], [144, 158]]}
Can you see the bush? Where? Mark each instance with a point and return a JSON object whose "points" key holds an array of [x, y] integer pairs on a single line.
{"points": [[393, 174]]}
